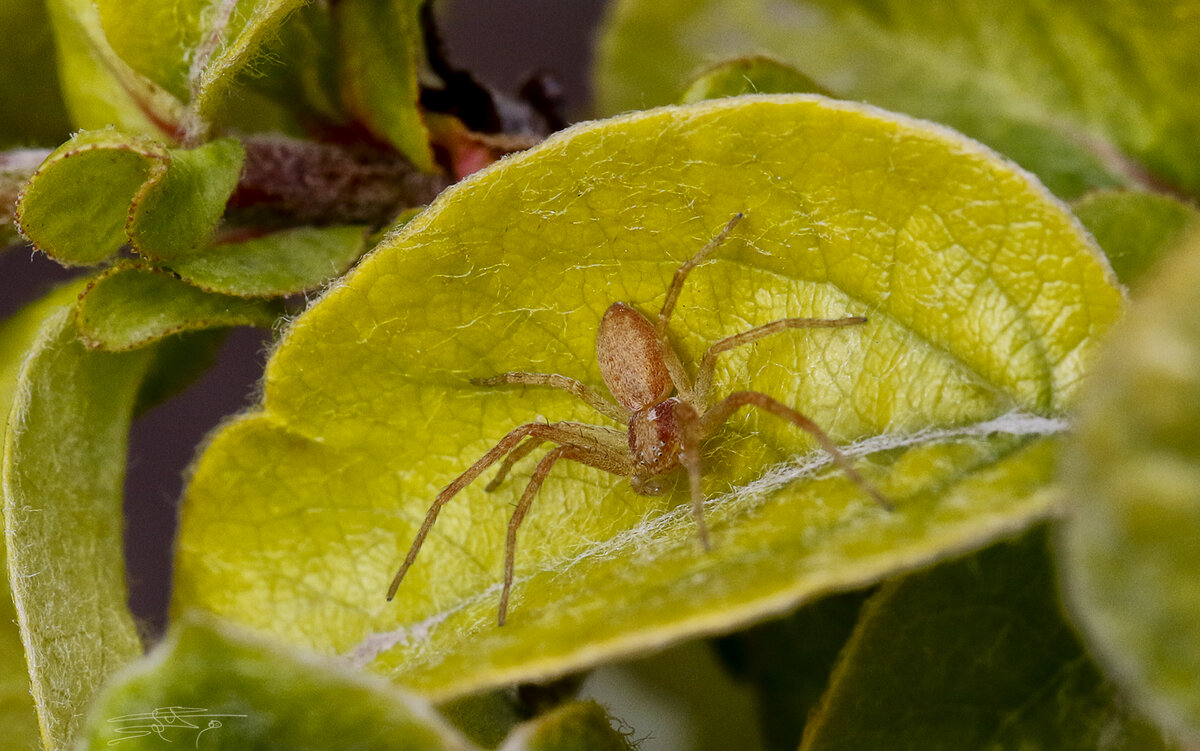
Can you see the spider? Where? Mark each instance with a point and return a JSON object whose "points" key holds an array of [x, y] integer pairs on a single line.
{"points": [[665, 432]]}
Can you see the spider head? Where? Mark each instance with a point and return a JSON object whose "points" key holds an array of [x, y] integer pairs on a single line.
{"points": [[654, 441]]}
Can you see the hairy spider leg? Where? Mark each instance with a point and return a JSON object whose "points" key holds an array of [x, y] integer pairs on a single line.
{"points": [[708, 362], [679, 375], [735, 401], [688, 419], [575, 453], [565, 433], [585, 392]]}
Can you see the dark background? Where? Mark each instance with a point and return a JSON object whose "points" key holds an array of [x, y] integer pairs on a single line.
{"points": [[501, 43]]}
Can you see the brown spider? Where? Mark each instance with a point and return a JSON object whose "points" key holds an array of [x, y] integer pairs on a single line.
{"points": [[641, 369]]}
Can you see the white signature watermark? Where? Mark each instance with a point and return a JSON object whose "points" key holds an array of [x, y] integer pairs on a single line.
{"points": [[168, 721]]}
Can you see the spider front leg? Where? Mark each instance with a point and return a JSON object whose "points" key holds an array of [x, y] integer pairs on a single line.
{"points": [[712, 419], [708, 362]]}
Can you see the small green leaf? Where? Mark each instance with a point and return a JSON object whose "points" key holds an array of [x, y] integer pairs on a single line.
{"points": [[33, 111], [198, 47], [755, 74], [128, 307], [1135, 229], [578, 726], [100, 89], [973, 654], [1131, 562], [64, 463], [174, 214], [103, 189], [1084, 95], [380, 42], [281, 263], [209, 686], [986, 302], [76, 206]]}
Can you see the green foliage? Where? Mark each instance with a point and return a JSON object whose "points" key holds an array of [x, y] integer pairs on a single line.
{"points": [[233, 162], [1130, 559]]}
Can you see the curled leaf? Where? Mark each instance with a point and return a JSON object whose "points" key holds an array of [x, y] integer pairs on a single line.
{"points": [[64, 464], [164, 202]]}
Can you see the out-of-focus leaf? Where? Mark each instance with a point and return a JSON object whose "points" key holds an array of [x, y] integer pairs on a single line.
{"points": [[33, 111], [579, 726], [754, 74], [973, 654], [198, 48], [1131, 558], [129, 307], [103, 189], [1073, 91], [209, 686], [64, 464], [985, 299], [1135, 229], [281, 263], [381, 51], [788, 661], [173, 214], [99, 88]]}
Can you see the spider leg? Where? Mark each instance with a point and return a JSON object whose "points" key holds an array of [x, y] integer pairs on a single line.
{"points": [[735, 401], [708, 362], [574, 453], [681, 274], [600, 441], [689, 421], [679, 375], [517, 454], [586, 393]]}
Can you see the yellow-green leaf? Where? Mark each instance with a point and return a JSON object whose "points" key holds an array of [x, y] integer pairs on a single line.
{"points": [[207, 685], [64, 463], [1084, 94], [1135, 229], [1131, 562], [128, 307], [985, 298], [280, 263], [753, 74]]}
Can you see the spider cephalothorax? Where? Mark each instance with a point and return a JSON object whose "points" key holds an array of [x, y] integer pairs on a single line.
{"points": [[668, 415]]}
